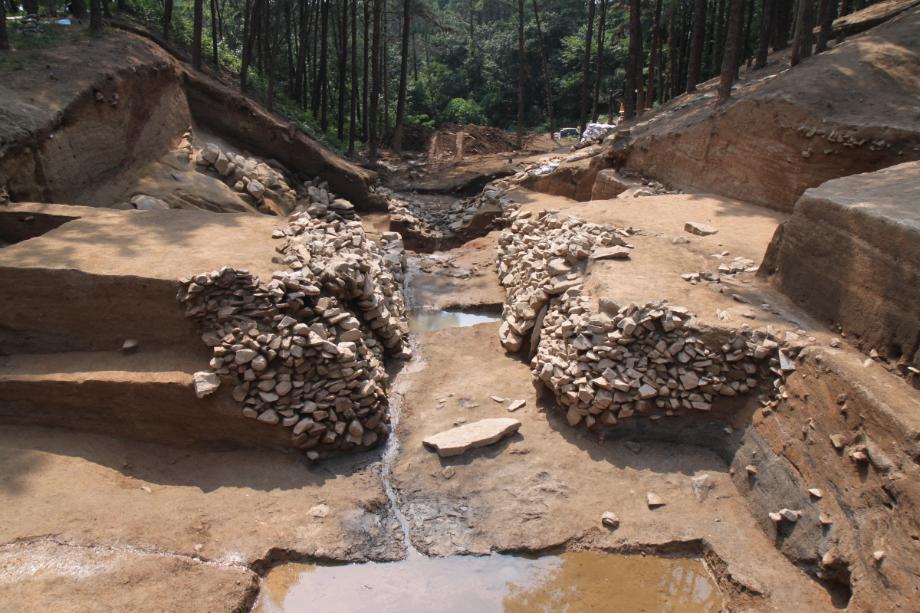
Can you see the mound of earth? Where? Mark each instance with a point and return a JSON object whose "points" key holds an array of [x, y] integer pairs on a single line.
{"points": [[456, 141]]}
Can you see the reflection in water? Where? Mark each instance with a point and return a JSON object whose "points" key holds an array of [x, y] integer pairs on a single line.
{"points": [[429, 320], [571, 582]]}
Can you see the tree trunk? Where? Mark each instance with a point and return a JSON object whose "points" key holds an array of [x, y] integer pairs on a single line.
{"points": [[403, 77], [732, 44], [385, 69], [696, 44], [522, 75], [353, 114], [365, 95], [95, 17], [656, 51], [300, 69], [196, 34], [633, 63], [250, 25], [601, 30], [321, 91], [270, 46], [4, 35], [215, 36], [826, 14], [167, 15], [718, 41], [546, 78], [746, 45], [375, 85], [343, 67], [766, 25], [673, 52], [802, 35], [586, 78]]}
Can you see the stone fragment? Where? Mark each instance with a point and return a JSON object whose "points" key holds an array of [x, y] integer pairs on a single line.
{"points": [[611, 253], [205, 383], [610, 520], [476, 434], [816, 493], [700, 229], [516, 404], [701, 486], [653, 500], [130, 345]]}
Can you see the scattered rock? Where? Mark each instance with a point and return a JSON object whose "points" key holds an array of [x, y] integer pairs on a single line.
{"points": [[701, 486], [653, 500], [476, 434], [516, 404], [206, 383], [130, 345], [816, 493], [611, 253], [700, 229], [319, 511], [610, 520]]}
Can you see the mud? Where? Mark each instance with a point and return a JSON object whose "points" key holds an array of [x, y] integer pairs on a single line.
{"points": [[575, 582]]}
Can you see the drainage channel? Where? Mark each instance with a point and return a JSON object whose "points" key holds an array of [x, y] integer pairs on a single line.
{"points": [[572, 581]]}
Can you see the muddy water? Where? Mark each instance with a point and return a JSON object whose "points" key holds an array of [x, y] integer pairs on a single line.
{"points": [[429, 320], [571, 582]]}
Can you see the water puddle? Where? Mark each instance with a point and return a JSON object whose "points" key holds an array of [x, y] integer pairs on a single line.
{"points": [[570, 582], [429, 320]]}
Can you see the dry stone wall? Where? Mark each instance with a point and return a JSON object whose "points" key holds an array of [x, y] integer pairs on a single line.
{"points": [[305, 350], [650, 359]]}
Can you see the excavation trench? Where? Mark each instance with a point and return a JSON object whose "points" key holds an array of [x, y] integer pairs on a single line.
{"points": [[511, 582]]}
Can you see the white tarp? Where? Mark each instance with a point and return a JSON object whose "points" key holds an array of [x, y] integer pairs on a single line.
{"points": [[596, 131]]}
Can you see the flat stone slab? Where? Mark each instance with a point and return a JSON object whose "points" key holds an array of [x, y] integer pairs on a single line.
{"points": [[617, 252], [457, 441]]}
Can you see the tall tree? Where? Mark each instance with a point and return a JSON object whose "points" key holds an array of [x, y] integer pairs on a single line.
{"points": [[321, 87], [522, 75], [167, 15], [375, 85], [656, 51], [342, 70], [763, 39], [802, 37], [270, 45], [95, 17], [196, 34], [251, 20], [696, 44], [215, 34], [586, 78], [826, 12], [353, 114], [547, 81], [633, 98], [403, 76], [365, 91], [732, 44], [601, 30], [4, 36]]}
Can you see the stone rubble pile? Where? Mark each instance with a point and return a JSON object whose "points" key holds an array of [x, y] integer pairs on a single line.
{"points": [[727, 271], [418, 218], [647, 360], [258, 183], [306, 349], [540, 258]]}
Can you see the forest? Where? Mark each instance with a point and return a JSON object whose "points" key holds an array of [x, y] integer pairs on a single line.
{"points": [[534, 65]]}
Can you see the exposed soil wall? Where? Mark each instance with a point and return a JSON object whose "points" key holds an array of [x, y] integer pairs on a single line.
{"points": [[848, 110], [850, 254], [122, 120], [755, 151], [871, 499]]}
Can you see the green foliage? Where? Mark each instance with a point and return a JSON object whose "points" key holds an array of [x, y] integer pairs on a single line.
{"points": [[460, 110]]}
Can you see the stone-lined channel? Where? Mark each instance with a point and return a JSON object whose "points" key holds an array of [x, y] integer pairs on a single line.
{"points": [[570, 581]]}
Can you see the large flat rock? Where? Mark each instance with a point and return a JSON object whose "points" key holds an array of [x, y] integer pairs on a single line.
{"points": [[461, 439]]}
